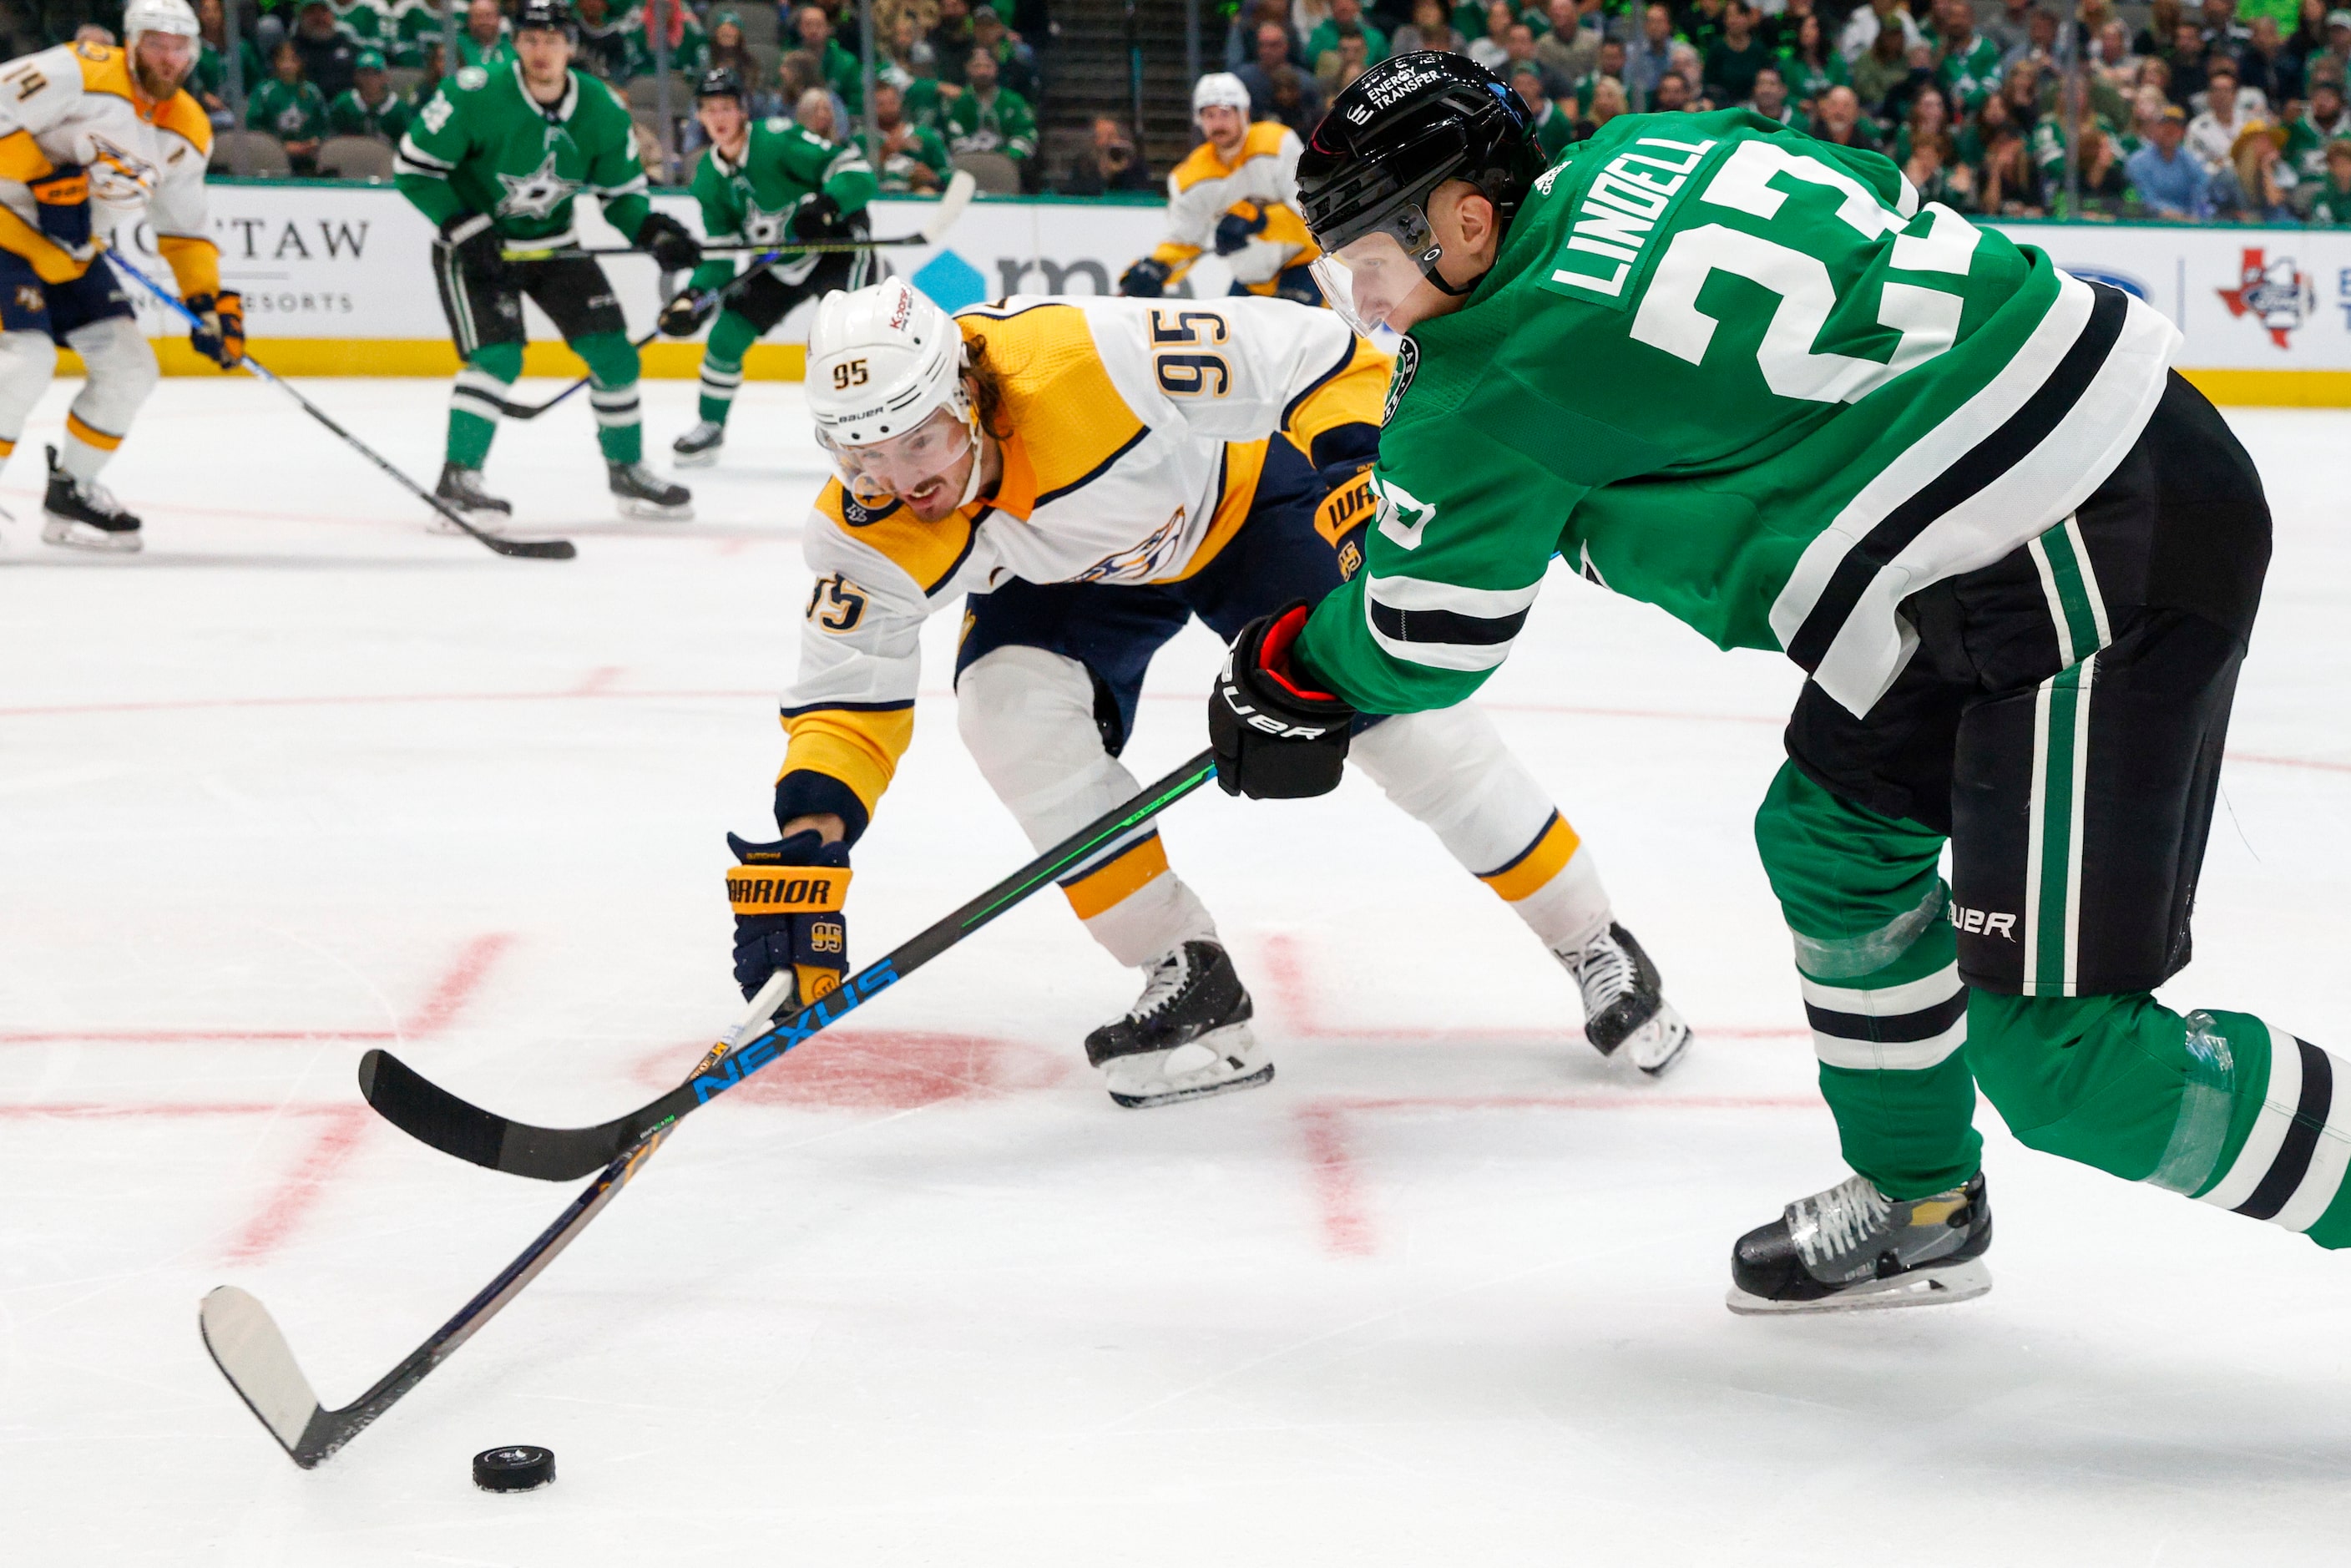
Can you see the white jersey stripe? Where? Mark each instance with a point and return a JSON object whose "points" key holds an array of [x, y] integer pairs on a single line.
{"points": [[1414, 593], [2279, 1098], [2328, 1161]]}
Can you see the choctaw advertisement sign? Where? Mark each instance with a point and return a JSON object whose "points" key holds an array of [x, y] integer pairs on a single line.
{"points": [[349, 262]]}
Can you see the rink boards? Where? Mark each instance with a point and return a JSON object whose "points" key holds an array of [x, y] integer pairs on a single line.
{"points": [[335, 283]]}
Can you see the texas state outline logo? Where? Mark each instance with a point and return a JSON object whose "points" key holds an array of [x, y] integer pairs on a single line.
{"points": [[2277, 294]]}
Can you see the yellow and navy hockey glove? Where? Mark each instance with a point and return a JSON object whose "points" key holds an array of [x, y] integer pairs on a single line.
{"points": [[221, 338], [788, 897]]}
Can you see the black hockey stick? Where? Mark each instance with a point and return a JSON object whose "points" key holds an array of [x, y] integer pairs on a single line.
{"points": [[250, 1349], [957, 197], [961, 188], [532, 410], [426, 1112], [530, 549]]}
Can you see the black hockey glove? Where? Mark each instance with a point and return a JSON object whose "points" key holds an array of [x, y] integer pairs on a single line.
{"points": [[473, 242], [1146, 279], [1275, 736], [788, 898], [1238, 226], [220, 338], [819, 218], [684, 316], [672, 244]]}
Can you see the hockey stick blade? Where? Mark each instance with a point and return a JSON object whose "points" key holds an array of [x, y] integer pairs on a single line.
{"points": [[433, 1116]]}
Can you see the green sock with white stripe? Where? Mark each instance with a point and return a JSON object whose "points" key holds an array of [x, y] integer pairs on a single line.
{"points": [[476, 402], [2219, 1106], [1877, 961], [731, 337]]}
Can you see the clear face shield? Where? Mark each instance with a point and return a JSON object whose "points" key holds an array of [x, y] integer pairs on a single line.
{"points": [[1367, 278], [911, 467]]}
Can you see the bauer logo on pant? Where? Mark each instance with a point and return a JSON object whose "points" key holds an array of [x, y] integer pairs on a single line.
{"points": [[1985, 922]]}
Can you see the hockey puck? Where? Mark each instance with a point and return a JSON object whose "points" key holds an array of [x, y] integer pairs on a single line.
{"points": [[521, 1468]]}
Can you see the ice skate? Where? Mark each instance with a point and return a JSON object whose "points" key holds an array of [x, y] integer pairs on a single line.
{"points": [[461, 488], [1851, 1248], [1187, 1037], [1624, 1007], [645, 495], [82, 514], [699, 447]]}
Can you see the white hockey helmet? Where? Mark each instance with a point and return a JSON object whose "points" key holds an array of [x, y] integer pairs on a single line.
{"points": [[159, 17], [1219, 90], [884, 363]]}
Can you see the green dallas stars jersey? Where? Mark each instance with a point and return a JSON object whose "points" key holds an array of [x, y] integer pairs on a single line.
{"points": [[1741, 375], [753, 202], [481, 145]]}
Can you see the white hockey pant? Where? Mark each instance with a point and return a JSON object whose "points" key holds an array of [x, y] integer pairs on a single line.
{"points": [[122, 373], [1026, 716], [28, 360], [1449, 770]]}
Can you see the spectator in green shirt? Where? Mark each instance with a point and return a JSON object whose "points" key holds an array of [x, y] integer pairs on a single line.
{"points": [[209, 80], [841, 72], [990, 118], [484, 41], [369, 107], [1733, 61], [290, 109], [1345, 21], [2330, 208], [1553, 129], [913, 157]]}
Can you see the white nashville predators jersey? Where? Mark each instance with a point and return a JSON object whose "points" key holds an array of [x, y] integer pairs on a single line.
{"points": [[78, 104], [1261, 182], [1133, 434]]}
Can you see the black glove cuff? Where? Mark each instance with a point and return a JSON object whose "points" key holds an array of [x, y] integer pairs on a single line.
{"points": [[806, 793]]}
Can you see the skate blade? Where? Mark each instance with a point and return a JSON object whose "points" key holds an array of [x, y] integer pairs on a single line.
{"points": [[1675, 1038], [1263, 1076], [1919, 1288], [705, 458], [655, 512], [71, 533]]}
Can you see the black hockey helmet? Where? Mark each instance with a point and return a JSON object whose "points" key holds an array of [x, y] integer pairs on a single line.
{"points": [[719, 81], [1398, 132], [548, 16]]}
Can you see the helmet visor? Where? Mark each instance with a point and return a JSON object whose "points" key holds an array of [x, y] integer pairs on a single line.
{"points": [[903, 466], [1369, 277]]}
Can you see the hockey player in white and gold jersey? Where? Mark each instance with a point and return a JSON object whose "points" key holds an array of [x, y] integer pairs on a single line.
{"points": [[1093, 474], [94, 139], [1236, 194]]}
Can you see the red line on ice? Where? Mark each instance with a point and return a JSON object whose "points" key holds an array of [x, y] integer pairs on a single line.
{"points": [[295, 1196]]}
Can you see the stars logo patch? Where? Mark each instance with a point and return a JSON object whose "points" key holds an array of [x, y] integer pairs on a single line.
{"points": [[537, 195]]}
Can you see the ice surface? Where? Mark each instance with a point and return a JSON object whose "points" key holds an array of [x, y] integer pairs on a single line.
{"points": [[302, 779]]}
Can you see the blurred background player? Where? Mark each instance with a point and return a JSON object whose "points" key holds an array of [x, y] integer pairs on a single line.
{"points": [[92, 140], [494, 159], [1236, 194], [762, 184], [1095, 473]]}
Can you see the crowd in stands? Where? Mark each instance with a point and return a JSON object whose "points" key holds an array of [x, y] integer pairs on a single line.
{"points": [[2184, 110], [951, 77], [2228, 110]]}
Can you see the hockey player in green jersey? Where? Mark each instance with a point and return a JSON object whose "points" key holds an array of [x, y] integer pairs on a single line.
{"points": [[493, 160], [1749, 378], [762, 184]]}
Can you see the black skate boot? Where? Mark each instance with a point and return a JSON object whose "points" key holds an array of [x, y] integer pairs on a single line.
{"points": [[1851, 1248], [82, 514], [699, 447], [1187, 1037], [645, 494], [1624, 1002], [461, 488]]}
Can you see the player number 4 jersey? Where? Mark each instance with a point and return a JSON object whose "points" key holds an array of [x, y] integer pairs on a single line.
{"points": [[1742, 375]]}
